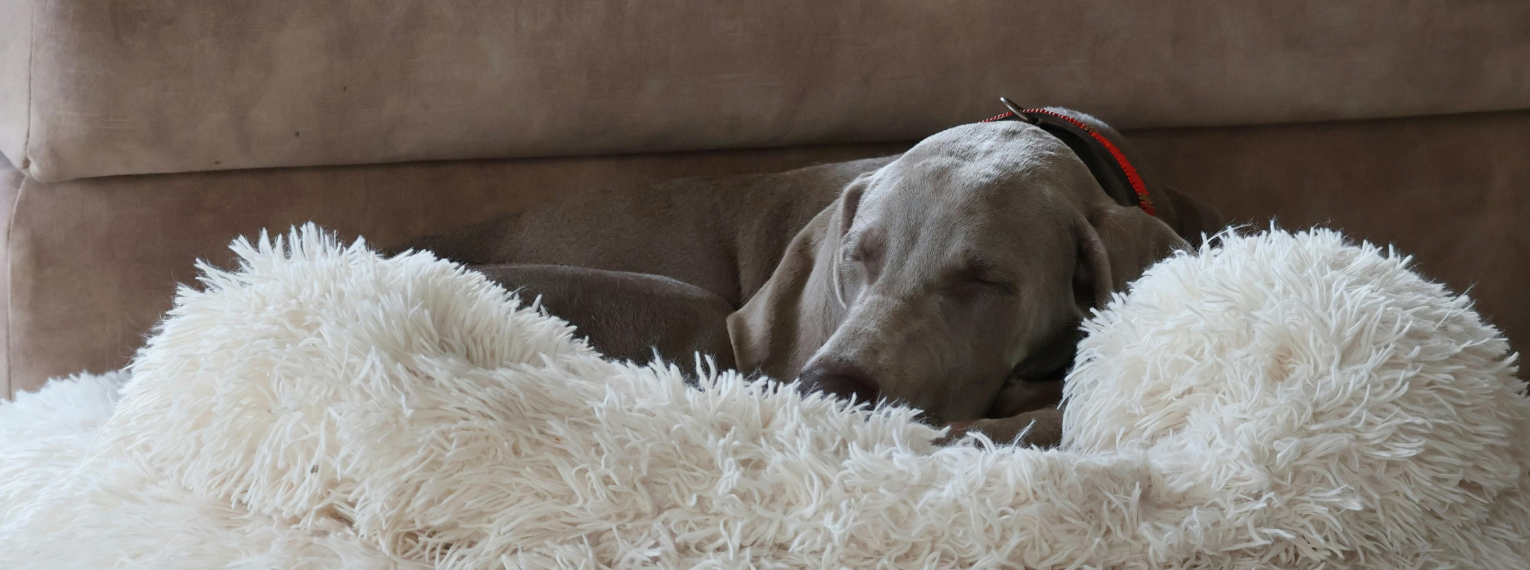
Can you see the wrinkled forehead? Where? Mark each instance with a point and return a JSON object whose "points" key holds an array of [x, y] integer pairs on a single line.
{"points": [[976, 161], [974, 176]]}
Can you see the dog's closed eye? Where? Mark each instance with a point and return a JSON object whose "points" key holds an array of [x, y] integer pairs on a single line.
{"points": [[866, 253], [977, 273]]}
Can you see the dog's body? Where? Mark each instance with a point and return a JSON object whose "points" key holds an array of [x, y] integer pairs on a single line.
{"points": [[725, 234], [628, 316], [950, 277]]}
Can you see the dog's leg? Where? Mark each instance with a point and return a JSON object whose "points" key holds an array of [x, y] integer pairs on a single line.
{"points": [[1041, 428], [1020, 396], [1021, 405]]}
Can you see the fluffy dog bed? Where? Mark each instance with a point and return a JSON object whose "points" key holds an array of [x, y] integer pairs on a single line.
{"points": [[1273, 401]]}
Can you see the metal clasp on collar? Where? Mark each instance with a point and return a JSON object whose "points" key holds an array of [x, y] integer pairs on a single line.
{"points": [[1017, 110]]}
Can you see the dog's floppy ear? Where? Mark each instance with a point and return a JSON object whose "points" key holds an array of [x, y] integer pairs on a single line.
{"points": [[1187, 216], [797, 310], [1116, 244], [850, 202], [1193, 218]]}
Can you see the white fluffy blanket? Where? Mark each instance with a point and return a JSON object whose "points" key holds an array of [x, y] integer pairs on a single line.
{"points": [[1275, 401]]}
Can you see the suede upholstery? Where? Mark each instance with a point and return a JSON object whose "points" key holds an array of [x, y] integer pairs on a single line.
{"points": [[96, 87], [93, 262], [1451, 191], [15, 76]]}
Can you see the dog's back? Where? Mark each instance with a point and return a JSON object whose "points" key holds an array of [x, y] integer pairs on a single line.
{"points": [[723, 234]]}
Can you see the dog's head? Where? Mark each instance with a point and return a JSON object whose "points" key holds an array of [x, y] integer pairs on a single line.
{"points": [[968, 261]]}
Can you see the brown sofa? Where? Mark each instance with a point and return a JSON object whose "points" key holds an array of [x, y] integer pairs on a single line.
{"points": [[146, 135]]}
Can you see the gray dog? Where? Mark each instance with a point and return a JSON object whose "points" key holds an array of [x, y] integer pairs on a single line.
{"points": [[951, 278]]}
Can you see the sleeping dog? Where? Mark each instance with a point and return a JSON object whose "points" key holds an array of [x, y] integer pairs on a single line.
{"points": [[951, 278]]}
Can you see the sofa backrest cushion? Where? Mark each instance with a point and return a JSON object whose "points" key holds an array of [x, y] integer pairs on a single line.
{"points": [[92, 88]]}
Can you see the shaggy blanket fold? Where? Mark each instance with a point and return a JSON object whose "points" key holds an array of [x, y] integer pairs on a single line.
{"points": [[1271, 401]]}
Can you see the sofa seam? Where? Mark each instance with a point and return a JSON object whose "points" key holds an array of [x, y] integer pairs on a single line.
{"points": [[26, 136], [10, 287]]}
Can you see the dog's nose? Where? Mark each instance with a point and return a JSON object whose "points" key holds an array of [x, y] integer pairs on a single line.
{"points": [[840, 380]]}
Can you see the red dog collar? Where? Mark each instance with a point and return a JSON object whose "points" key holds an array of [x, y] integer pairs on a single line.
{"points": [[1115, 174]]}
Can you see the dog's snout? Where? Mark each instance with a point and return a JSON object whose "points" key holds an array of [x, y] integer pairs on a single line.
{"points": [[841, 381]]}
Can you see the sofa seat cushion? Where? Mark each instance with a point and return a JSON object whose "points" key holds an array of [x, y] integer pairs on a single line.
{"points": [[95, 261]]}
